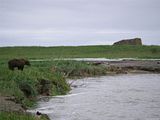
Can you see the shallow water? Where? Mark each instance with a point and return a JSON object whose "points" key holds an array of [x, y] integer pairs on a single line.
{"points": [[120, 97], [93, 59]]}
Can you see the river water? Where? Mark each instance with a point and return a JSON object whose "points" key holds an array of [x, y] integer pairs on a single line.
{"points": [[119, 97]]}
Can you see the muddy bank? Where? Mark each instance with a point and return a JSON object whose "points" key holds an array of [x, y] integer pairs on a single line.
{"points": [[9, 107], [8, 104], [130, 66]]}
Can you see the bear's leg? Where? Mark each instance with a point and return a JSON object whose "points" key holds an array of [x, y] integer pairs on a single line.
{"points": [[20, 68]]}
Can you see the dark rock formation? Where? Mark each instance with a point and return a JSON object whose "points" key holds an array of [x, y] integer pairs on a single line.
{"points": [[18, 63], [134, 41], [41, 115]]}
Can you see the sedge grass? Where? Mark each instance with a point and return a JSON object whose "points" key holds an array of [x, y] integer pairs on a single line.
{"points": [[18, 116]]}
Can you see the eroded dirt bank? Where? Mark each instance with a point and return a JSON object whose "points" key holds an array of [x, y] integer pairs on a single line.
{"points": [[129, 66]]}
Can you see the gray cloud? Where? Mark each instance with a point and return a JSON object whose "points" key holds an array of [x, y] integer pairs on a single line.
{"points": [[78, 22]]}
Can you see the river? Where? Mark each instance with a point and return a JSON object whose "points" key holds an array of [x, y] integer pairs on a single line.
{"points": [[119, 97]]}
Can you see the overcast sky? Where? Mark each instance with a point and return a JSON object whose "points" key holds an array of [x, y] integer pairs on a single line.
{"points": [[78, 22]]}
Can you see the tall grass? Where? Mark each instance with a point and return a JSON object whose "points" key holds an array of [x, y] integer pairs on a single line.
{"points": [[18, 116], [11, 82], [78, 69]]}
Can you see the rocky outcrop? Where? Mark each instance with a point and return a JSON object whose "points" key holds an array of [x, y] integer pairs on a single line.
{"points": [[134, 41]]}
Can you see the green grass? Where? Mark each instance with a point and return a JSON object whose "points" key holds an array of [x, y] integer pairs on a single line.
{"points": [[18, 116], [105, 51], [10, 81], [55, 71], [78, 69]]}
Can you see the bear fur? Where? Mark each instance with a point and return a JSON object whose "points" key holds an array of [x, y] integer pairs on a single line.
{"points": [[18, 63]]}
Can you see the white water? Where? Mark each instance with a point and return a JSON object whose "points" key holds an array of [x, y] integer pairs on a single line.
{"points": [[120, 97]]}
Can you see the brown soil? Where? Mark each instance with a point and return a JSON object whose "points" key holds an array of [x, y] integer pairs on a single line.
{"points": [[127, 66], [8, 104]]}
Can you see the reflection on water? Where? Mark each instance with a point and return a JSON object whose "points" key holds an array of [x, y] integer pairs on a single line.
{"points": [[122, 97]]}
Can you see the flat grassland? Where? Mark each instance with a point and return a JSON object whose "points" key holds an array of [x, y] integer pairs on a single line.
{"points": [[101, 51]]}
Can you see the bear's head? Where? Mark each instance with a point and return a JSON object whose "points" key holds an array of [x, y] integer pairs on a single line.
{"points": [[27, 63]]}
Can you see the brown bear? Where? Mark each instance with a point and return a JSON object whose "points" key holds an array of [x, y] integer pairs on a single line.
{"points": [[18, 63]]}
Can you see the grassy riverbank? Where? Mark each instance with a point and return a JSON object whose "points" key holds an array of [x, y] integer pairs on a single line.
{"points": [[101, 51], [11, 82], [24, 86]]}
